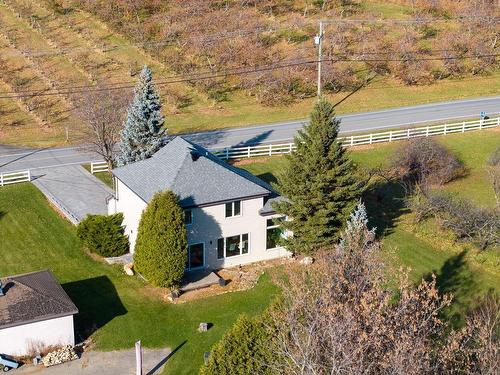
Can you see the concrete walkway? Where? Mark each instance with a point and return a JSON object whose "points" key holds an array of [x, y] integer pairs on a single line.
{"points": [[119, 362], [73, 190]]}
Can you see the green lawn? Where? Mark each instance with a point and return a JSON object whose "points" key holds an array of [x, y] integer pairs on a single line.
{"points": [[461, 269], [123, 309], [105, 177]]}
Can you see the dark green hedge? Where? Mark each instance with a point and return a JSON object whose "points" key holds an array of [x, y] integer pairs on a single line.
{"points": [[103, 235]]}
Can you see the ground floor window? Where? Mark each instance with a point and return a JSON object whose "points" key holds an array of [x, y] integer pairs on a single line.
{"points": [[273, 233], [232, 246]]}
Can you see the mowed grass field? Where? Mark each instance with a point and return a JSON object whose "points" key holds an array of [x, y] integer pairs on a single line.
{"points": [[122, 309], [460, 268]]}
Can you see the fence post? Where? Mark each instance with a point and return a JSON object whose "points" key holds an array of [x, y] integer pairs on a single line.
{"points": [[1, 179], [227, 153], [291, 148], [248, 151], [408, 133], [498, 121], [29, 175], [481, 124], [427, 131], [463, 127], [92, 167], [390, 136], [371, 138], [270, 149], [352, 140]]}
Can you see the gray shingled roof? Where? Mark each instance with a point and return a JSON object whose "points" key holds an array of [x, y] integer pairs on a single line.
{"points": [[193, 173], [33, 297]]}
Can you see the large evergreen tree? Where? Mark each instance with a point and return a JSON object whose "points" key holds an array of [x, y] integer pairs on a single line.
{"points": [[319, 182], [161, 247], [142, 134]]}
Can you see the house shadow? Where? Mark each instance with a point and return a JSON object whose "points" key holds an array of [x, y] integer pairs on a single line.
{"points": [[385, 203], [97, 301], [456, 278]]}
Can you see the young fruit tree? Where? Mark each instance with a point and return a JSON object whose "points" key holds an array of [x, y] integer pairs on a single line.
{"points": [[161, 247], [319, 183], [143, 131]]}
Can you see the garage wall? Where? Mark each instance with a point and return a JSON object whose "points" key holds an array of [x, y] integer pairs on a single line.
{"points": [[20, 340]]}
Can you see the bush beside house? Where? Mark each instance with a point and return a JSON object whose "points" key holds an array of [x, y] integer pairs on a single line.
{"points": [[103, 235], [161, 248]]}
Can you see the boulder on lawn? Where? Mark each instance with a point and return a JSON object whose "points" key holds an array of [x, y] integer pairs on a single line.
{"points": [[128, 269]]}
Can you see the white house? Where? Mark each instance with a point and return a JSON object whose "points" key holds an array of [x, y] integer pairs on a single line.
{"points": [[228, 211], [35, 313]]}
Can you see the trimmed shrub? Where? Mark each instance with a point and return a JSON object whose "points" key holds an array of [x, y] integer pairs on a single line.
{"points": [[103, 235], [161, 247], [244, 349]]}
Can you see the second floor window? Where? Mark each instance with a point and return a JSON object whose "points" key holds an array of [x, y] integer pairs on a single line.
{"points": [[188, 217], [233, 209]]}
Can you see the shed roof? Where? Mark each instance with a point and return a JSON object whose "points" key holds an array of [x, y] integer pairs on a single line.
{"points": [[193, 173], [33, 297]]}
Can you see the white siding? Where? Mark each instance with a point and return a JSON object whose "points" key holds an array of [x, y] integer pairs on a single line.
{"points": [[131, 206], [209, 224], [21, 339]]}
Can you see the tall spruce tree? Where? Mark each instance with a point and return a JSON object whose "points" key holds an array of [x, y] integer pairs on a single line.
{"points": [[142, 134], [320, 184]]}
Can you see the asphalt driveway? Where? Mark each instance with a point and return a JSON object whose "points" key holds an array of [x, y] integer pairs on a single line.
{"points": [[73, 190], [119, 362]]}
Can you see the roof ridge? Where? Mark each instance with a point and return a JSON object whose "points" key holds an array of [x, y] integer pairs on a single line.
{"points": [[37, 290]]}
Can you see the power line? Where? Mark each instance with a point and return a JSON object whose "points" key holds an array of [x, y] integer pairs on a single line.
{"points": [[257, 69]]}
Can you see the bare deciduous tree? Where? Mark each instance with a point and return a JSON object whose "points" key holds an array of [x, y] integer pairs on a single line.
{"points": [[102, 113], [337, 316], [493, 169]]}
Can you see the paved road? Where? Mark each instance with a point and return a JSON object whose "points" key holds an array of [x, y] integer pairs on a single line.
{"points": [[12, 159], [73, 190], [120, 362]]}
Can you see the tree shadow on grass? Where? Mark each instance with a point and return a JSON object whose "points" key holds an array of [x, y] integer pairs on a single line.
{"points": [[268, 177], [97, 301], [2, 214], [456, 278], [385, 203]]}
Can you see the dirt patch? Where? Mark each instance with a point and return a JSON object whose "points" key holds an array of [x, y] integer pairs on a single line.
{"points": [[237, 279]]}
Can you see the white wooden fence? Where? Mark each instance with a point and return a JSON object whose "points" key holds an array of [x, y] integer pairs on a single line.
{"points": [[14, 177], [98, 166], [364, 139]]}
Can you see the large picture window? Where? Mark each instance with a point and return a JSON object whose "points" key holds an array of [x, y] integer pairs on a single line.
{"points": [[273, 233], [232, 246], [233, 209]]}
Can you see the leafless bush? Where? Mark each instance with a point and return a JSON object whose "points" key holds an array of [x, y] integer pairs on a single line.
{"points": [[423, 162], [337, 316], [477, 225]]}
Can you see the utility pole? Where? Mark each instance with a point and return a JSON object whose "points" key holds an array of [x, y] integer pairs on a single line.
{"points": [[318, 40]]}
